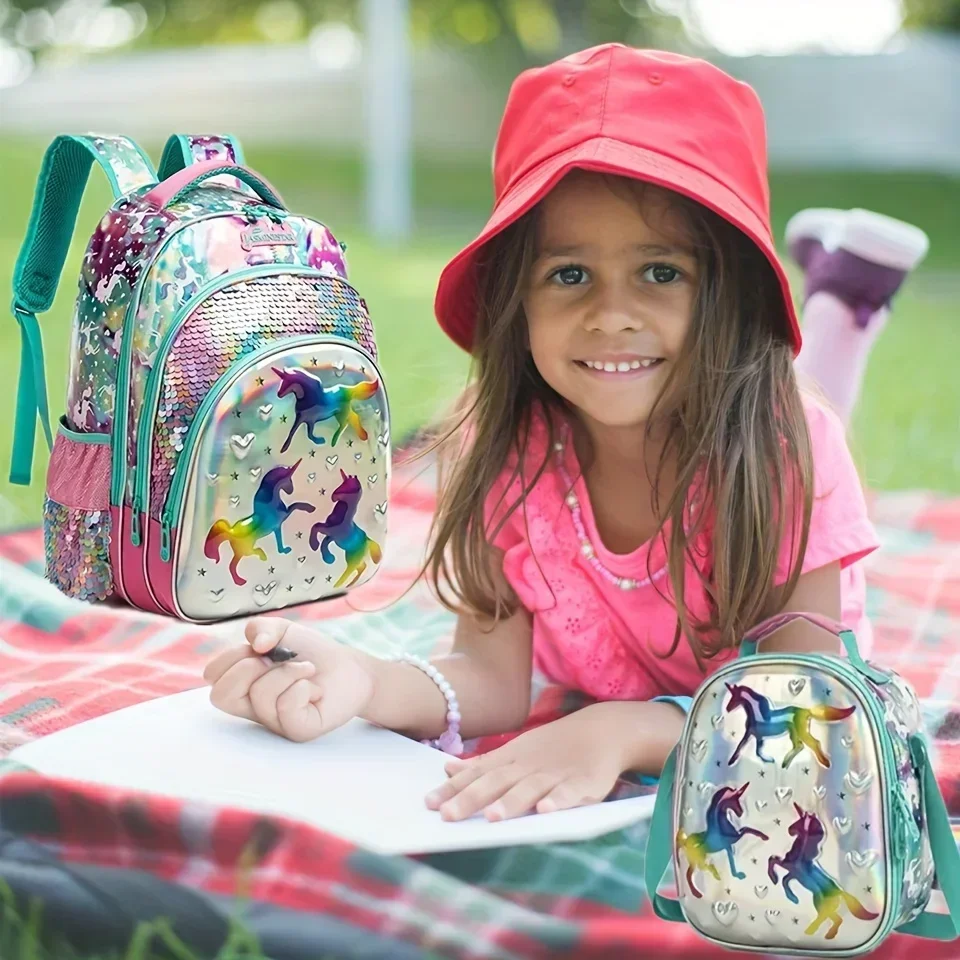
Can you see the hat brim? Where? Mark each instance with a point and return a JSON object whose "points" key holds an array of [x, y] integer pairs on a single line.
{"points": [[455, 304]]}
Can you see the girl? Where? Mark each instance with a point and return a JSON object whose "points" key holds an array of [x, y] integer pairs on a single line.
{"points": [[639, 479]]}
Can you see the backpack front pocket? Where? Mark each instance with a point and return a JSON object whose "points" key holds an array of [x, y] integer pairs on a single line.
{"points": [[279, 494], [76, 515]]}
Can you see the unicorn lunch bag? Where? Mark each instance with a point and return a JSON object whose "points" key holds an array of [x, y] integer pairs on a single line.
{"points": [[225, 447], [800, 809]]}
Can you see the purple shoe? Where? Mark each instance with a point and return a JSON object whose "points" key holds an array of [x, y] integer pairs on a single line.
{"points": [[858, 256]]}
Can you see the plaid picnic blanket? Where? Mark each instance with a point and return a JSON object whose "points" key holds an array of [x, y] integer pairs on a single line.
{"points": [[62, 662]]}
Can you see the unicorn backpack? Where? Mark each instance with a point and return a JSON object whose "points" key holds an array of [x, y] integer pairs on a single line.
{"points": [[225, 447], [800, 808]]}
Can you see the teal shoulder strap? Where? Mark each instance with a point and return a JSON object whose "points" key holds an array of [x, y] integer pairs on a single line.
{"points": [[660, 843], [946, 857], [184, 149], [60, 186]]}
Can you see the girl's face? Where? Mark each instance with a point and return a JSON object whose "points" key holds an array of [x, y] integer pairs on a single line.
{"points": [[609, 298]]}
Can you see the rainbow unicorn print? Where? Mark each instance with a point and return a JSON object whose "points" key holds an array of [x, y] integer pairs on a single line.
{"points": [[269, 514], [316, 403], [764, 720], [800, 865], [721, 834], [340, 529]]}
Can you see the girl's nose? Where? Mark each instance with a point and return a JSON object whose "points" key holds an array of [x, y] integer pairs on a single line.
{"points": [[614, 310]]}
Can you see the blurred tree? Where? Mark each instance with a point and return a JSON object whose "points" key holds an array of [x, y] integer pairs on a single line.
{"points": [[932, 14], [531, 29]]}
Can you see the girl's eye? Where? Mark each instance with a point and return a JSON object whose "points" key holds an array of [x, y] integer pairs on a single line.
{"points": [[570, 276], [661, 273]]}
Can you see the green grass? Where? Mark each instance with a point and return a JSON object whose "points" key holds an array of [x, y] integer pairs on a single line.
{"points": [[905, 434]]}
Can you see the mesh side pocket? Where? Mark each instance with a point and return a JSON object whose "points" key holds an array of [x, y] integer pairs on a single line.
{"points": [[76, 515]]}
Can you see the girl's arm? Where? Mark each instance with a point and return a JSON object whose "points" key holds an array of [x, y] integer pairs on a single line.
{"points": [[489, 669], [817, 591]]}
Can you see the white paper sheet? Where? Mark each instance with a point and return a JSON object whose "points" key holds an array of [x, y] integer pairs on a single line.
{"points": [[359, 782]]}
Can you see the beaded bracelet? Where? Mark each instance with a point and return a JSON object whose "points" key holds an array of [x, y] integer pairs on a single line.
{"points": [[449, 741]]}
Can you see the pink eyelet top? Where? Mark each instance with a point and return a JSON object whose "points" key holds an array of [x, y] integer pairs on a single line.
{"points": [[592, 635]]}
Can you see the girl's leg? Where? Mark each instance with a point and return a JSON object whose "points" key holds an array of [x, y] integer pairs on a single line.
{"points": [[854, 261]]}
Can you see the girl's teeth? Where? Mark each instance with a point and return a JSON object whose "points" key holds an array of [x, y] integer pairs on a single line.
{"points": [[623, 366]]}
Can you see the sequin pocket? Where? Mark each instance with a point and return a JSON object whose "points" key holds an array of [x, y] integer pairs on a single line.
{"points": [[76, 515]]}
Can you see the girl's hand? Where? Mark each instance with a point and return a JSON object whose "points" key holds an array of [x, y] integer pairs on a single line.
{"points": [[571, 762], [326, 685]]}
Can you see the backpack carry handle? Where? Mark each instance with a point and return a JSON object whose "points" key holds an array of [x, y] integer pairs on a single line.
{"points": [[173, 188], [766, 628], [185, 150]]}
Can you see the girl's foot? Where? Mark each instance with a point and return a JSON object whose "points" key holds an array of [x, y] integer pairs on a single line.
{"points": [[854, 261], [859, 256]]}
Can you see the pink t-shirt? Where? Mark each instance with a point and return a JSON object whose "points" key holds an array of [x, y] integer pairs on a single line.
{"points": [[592, 636]]}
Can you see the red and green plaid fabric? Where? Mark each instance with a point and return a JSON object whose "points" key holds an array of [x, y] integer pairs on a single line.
{"points": [[62, 662]]}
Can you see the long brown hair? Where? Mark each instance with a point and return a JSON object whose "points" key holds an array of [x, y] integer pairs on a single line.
{"points": [[736, 437]]}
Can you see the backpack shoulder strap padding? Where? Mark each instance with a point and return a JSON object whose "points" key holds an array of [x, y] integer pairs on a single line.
{"points": [[36, 276]]}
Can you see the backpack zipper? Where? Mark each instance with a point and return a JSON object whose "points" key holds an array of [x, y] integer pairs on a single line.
{"points": [[184, 466]]}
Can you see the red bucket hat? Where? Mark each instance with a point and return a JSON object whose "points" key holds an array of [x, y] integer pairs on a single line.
{"points": [[675, 121]]}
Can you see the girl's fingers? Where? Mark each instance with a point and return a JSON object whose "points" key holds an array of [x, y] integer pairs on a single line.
{"points": [[266, 690], [220, 664], [523, 796], [570, 793], [298, 713], [230, 693], [264, 633], [453, 786], [484, 790]]}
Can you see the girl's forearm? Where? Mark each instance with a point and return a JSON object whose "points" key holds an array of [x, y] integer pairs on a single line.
{"points": [[405, 699], [642, 731]]}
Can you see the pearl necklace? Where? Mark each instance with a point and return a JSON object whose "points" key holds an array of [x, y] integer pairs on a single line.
{"points": [[586, 547]]}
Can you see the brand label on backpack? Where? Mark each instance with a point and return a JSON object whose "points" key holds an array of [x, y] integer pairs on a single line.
{"points": [[267, 235]]}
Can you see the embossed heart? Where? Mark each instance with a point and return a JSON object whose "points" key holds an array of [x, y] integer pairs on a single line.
{"points": [[301, 559], [761, 890], [819, 791], [862, 859], [783, 794], [241, 446], [216, 595], [858, 781], [848, 742], [688, 813], [382, 439], [213, 477], [311, 477], [265, 411], [796, 685], [717, 721], [309, 580], [332, 461], [255, 473], [234, 501], [726, 911], [339, 366], [262, 592], [772, 915], [842, 825], [761, 805], [372, 479], [707, 787], [358, 457], [381, 509], [699, 749]]}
